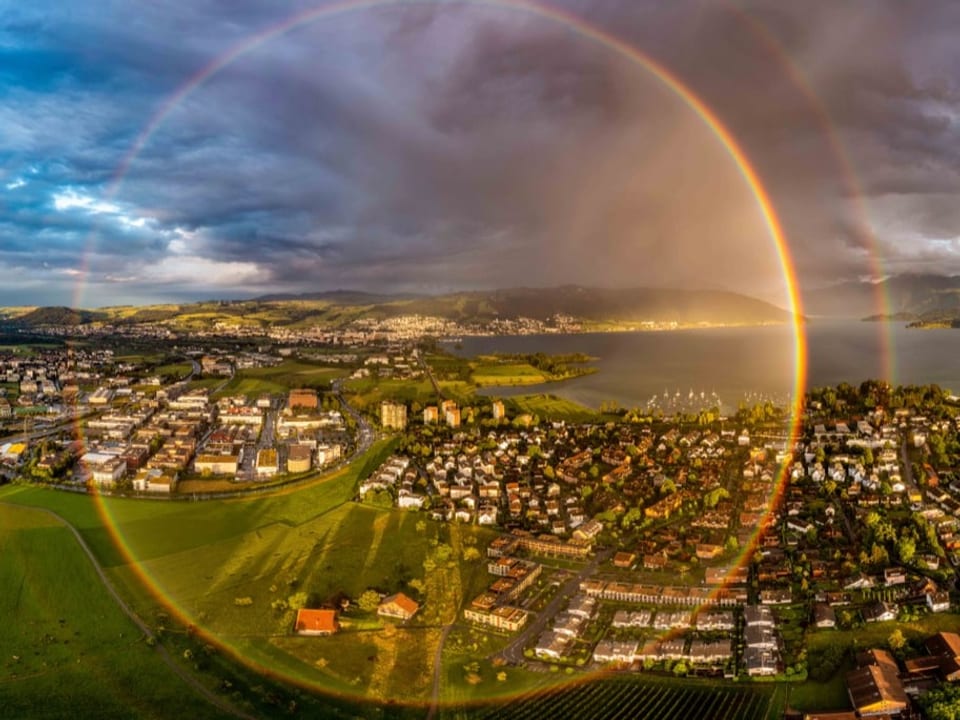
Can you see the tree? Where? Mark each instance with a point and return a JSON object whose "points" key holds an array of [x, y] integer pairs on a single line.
{"points": [[369, 600], [471, 554], [896, 641], [942, 703], [906, 548]]}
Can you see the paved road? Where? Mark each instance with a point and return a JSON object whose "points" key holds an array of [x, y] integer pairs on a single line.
{"points": [[50, 430], [513, 653], [433, 380], [207, 695], [437, 666], [365, 432]]}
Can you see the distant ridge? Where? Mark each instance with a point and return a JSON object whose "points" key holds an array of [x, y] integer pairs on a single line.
{"points": [[920, 297], [595, 307], [59, 316], [597, 304]]}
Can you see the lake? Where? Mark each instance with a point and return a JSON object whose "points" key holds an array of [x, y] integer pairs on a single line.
{"points": [[695, 368]]}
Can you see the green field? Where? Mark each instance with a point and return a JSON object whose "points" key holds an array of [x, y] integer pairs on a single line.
{"points": [[224, 566], [508, 374], [365, 394], [66, 648], [549, 407], [176, 370], [279, 379]]}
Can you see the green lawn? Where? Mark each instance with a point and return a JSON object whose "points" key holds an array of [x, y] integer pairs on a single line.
{"points": [[223, 565], [814, 696], [507, 374], [366, 393], [178, 370], [279, 379], [549, 407], [66, 648]]}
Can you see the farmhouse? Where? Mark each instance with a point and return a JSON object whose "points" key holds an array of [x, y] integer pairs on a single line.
{"points": [[316, 622], [398, 606], [876, 690]]}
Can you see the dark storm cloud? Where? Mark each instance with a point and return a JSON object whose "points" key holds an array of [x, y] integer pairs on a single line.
{"points": [[439, 146]]}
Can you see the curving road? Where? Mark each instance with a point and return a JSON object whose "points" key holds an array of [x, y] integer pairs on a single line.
{"points": [[207, 695], [437, 666]]}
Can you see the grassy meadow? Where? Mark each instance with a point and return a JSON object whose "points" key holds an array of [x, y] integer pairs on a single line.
{"points": [[279, 379], [66, 649], [237, 569]]}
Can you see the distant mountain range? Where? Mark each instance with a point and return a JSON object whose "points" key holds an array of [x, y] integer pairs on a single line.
{"points": [[910, 297], [594, 306]]}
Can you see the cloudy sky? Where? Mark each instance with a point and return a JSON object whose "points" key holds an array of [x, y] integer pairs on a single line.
{"points": [[429, 146]]}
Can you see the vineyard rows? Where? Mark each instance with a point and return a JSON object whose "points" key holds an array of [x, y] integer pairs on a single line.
{"points": [[628, 700]]}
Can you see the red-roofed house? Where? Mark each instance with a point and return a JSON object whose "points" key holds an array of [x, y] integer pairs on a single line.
{"points": [[316, 622], [398, 606]]}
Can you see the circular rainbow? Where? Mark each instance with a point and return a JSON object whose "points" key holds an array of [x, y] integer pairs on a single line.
{"points": [[582, 29]]}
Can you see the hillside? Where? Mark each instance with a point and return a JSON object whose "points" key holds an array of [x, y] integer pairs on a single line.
{"points": [[921, 298], [597, 304], [59, 316], [592, 306]]}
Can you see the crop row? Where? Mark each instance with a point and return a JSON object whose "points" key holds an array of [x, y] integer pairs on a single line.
{"points": [[622, 700]]}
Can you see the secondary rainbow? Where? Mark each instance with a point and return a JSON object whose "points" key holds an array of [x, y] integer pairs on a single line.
{"points": [[850, 181], [576, 25]]}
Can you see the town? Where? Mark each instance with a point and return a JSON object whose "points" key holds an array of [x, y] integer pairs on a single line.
{"points": [[696, 545]]}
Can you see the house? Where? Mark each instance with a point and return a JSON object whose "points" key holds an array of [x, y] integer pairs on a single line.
{"points": [[316, 622], [704, 652], [105, 469], [154, 481], [876, 656], [707, 551], [398, 606], [726, 575], [760, 662], [824, 616], [758, 637], [716, 620], [945, 646], [615, 651], [880, 612], [267, 463], [552, 645], [776, 597], [938, 601], [759, 616], [587, 532], [656, 561], [876, 690], [216, 464], [859, 582], [894, 576]]}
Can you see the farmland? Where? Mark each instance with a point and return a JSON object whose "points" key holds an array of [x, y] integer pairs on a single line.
{"points": [[280, 378], [508, 374], [67, 649], [663, 699], [549, 407]]}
